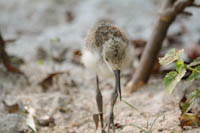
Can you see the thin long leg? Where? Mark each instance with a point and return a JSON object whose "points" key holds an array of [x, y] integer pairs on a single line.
{"points": [[99, 101], [111, 115]]}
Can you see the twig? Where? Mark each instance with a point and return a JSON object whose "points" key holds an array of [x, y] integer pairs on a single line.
{"points": [[6, 61], [187, 13], [130, 105], [170, 10], [192, 69], [195, 5]]}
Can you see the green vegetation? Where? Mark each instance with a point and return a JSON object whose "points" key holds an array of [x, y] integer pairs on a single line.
{"points": [[174, 77]]}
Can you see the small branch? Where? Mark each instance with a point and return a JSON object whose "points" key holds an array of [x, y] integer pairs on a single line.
{"points": [[195, 5], [169, 11], [187, 13], [192, 69], [3, 54], [5, 58], [180, 5], [10, 40]]}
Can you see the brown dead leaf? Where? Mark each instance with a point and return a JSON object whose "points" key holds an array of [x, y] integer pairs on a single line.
{"points": [[76, 58], [5, 58], [11, 108], [48, 81], [12, 68], [189, 119], [69, 16], [117, 126], [96, 120]]}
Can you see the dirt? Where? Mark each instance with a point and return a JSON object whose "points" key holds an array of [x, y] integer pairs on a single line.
{"points": [[72, 107], [67, 102]]}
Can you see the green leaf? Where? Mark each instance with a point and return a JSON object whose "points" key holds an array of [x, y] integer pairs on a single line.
{"points": [[169, 78], [195, 62], [180, 65], [172, 79], [190, 101], [195, 75], [171, 56]]}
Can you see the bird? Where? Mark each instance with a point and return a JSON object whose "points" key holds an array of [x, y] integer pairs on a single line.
{"points": [[106, 51]]}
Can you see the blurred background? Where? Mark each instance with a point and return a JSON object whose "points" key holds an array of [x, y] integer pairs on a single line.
{"points": [[33, 22]]}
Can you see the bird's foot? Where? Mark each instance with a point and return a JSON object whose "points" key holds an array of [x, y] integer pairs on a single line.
{"points": [[101, 118], [110, 122]]}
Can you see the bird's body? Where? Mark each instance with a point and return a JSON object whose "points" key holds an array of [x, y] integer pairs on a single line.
{"points": [[106, 51], [102, 34]]}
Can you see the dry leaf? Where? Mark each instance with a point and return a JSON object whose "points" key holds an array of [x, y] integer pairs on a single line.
{"points": [[76, 57], [117, 126], [189, 119], [69, 16], [11, 108], [96, 120], [48, 81], [5, 58], [12, 68]]}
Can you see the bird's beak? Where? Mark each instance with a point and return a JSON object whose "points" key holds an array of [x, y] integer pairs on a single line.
{"points": [[117, 82]]}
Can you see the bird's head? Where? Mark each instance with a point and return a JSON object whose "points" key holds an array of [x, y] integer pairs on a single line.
{"points": [[115, 52]]}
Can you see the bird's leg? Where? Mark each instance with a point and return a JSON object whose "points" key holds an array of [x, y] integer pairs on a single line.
{"points": [[113, 100], [99, 101], [111, 115]]}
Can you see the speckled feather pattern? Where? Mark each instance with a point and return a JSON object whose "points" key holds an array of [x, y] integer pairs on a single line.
{"points": [[102, 32], [106, 39]]}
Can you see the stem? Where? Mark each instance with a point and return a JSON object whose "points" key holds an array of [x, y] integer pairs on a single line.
{"points": [[130, 105], [192, 69]]}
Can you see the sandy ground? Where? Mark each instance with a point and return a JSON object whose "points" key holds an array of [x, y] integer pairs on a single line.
{"points": [[70, 101], [72, 106]]}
